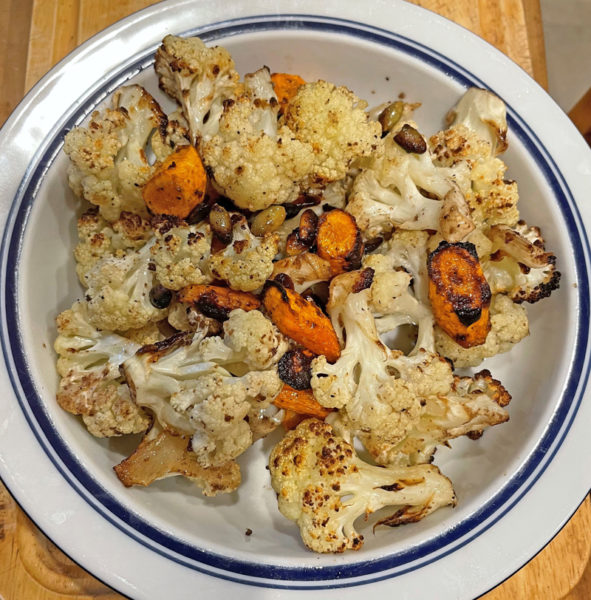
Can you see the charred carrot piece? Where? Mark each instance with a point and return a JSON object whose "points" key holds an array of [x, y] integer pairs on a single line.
{"points": [[301, 402], [301, 320], [286, 87], [459, 293], [216, 301], [339, 241], [178, 185]]}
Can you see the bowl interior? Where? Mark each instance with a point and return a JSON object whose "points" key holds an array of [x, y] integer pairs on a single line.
{"points": [[479, 470]]}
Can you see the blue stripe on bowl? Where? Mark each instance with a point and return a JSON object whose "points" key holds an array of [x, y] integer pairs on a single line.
{"points": [[271, 575]]}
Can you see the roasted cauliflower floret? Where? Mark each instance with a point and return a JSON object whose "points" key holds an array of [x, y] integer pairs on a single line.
{"points": [[148, 334], [163, 453], [485, 114], [518, 264], [393, 301], [509, 325], [471, 405], [402, 189], [333, 121], [476, 133], [257, 161], [91, 384], [217, 409], [108, 159], [181, 253], [118, 294], [253, 161], [253, 339], [408, 250], [185, 386], [492, 198], [199, 78], [363, 381], [99, 238], [247, 262], [324, 487]]}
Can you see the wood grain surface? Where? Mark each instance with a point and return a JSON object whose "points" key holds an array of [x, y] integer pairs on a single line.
{"points": [[34, 35]]}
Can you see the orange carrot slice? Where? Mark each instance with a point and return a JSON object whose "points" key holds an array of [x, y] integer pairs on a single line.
{"points": [[301, 320], [339, 241], [459, 293], [178, 185]]}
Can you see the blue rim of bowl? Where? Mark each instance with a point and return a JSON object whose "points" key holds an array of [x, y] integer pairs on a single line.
{"points": [[276, 576]]}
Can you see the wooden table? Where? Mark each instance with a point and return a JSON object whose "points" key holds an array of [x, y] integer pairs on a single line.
{"points": [[34, 35]]}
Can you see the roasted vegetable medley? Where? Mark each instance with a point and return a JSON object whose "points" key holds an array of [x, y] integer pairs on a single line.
{"points": [[274, 256]]}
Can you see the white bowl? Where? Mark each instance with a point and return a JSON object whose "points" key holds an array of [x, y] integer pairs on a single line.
{"points": [[516, 486]]}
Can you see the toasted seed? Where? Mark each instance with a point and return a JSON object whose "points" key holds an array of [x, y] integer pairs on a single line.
{"points": [[160, 297], [285, 280], [308, 227], [268, 220], [294, 245], [221, 224], [391, 115], [304, 201], [410, 140], [373, 244], [200, 212]]}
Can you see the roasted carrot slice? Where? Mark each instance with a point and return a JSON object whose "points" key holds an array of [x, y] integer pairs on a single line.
{"points": [[459, 293], [339, 241], [286, 87], [301, 320], [300, 401], [178, 185], [216, 301]]}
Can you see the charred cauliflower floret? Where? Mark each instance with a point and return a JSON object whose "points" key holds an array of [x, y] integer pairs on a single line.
{"points": [[485, 114], [324, 487], [333, 121], [91, 384], [181, 253], [199, 78], [250, 342], [99, 238], [247, 262], [108, 159], [257, 161], [519, 265], [402, 188], [509, 325], [218, 408], [163, 453], [182, 382], [119, 289], [471, 405]]}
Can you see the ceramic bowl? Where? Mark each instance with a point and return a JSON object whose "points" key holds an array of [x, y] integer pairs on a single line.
{"points": [[516, 486]]}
